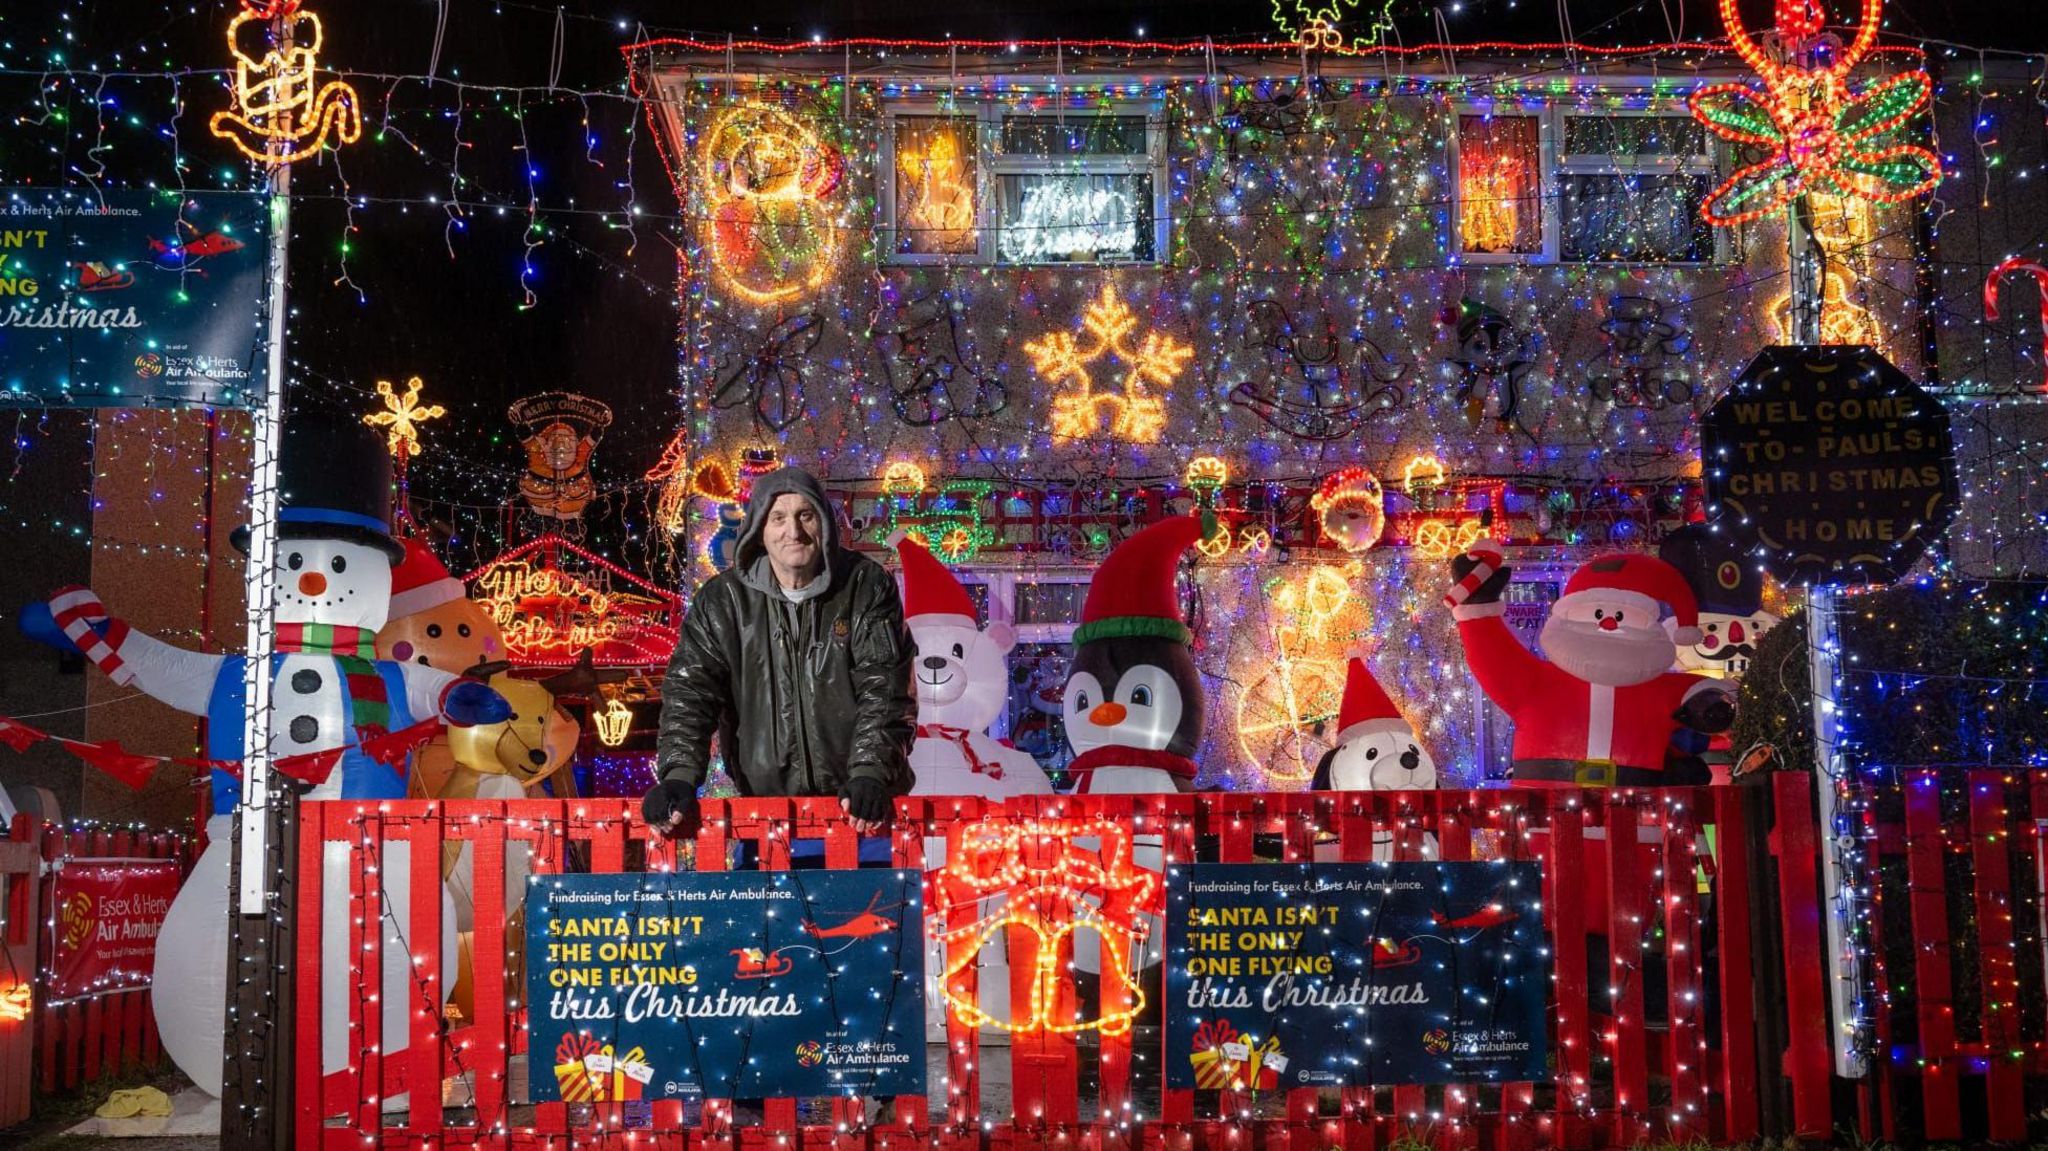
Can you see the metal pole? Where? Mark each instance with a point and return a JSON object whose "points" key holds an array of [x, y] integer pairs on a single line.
{"points": [[252, 822]]}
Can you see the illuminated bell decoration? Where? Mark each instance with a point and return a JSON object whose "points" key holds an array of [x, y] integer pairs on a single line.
{"points": [[613, 721], [402, 416], [768, 182], [1820, 138], [281, 112], [1130, 414], [1352, 508], [1052, 887]]}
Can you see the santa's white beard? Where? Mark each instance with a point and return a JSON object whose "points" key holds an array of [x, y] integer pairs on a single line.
{"points": [[1613, 658]]}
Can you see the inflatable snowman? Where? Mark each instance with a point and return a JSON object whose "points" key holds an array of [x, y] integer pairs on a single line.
{"points": [[962, 686], [333, 588], [1376, 751], [1134, 705]]}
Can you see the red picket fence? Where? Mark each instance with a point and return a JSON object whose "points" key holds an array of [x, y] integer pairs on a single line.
{"points": [[20, 892], [1660, 1039], [80, 1040]]}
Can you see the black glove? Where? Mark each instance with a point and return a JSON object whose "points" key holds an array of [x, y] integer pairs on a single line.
{"points": [[669, 798], [1711, 712], [867, 800], [1488, 592]]}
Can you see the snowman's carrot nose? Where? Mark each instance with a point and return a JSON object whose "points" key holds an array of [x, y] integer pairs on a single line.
{"points": [[1107, 715], [312, 583]]}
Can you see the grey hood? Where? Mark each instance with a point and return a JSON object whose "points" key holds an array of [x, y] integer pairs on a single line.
{"points": [[750, 555]]}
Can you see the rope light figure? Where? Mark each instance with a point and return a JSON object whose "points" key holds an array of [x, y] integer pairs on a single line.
{"points": [[2040, 275], [282, 114], [1051, 886], [1133, 416], [1822, 139]]}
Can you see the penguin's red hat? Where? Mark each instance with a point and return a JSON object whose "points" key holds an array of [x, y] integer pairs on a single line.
{"points": [[1367, 708], [1132, 593], [931, 594]]}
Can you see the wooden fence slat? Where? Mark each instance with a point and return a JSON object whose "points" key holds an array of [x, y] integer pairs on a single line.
{"points": [[1734, 887], [1990, 845], [1809, 1061], [307, 1095], [1628, 953], [1684, 1004], [1926, 887], [1564, 881], [424, 992]]}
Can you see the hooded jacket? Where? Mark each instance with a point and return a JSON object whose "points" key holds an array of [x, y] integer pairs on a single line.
{"points": [[803, 695]]}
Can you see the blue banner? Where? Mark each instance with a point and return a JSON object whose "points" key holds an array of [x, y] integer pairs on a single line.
{"points": [[1354, 974], [725, 985], [131, 298]]}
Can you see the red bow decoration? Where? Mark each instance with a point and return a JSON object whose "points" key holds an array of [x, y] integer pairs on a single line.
{"points": [[958, 735]]}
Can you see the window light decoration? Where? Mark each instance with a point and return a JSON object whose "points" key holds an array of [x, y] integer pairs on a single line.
{"points": [[935, 185], [1822, 139], [768, 186], [1055, 877], [1499, 206], [1129, 414], [282, 113]]}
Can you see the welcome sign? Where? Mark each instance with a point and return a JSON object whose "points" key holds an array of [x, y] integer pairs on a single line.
{"points": [[131, 298], [1354, 974], [725, 985]]}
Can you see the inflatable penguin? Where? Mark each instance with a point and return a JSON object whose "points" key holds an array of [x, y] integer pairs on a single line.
{"points": [[1376, 751], [333, 587], [1133, 703]]}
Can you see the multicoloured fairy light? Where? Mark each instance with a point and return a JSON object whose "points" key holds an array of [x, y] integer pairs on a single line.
{"points": [[1130, 414], [282, 113], [1822, 139]]}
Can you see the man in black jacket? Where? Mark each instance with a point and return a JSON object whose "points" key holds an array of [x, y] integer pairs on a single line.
{"points": [[797, 656]]}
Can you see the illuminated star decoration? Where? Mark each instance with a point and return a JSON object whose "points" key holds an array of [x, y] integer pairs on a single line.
{"points": [[1132, 415], [281, 113], [403, 415], [1821, 138]]}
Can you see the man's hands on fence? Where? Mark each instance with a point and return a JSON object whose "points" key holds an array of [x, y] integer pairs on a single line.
{"points": [[866, 804], [670, 807]]}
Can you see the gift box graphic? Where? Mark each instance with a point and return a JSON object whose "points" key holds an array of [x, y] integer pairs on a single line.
{"points": [[1225, 1060], [589, 1072]]}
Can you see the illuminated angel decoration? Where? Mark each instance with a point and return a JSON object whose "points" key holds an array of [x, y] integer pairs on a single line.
{"points": [[1130, 414], [1050, 886], [282, 113], [1821, 138]]}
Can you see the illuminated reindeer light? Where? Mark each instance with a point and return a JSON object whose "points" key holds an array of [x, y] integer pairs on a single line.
{"points": [[281, 113], [1822, 138]]}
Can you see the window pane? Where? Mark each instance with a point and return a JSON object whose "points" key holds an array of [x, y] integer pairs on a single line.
{"points": [[1050, 602], [1061, 218], [1078, 134], [1038, 677], [1500, 206], [1640, 136], [1636, 218], [935, 166]]}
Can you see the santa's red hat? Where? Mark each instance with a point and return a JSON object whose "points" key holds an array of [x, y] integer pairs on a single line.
{"points": [[420, 581], [931, 594], [1645, 580], [1132, 593], [1367, 709]]}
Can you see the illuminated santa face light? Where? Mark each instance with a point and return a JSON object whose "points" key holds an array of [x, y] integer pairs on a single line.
{"points": [[1143, 711], [1608, 636], [331, 581]]}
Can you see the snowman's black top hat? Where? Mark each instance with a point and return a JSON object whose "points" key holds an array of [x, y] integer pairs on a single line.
{"points": [[334, 482]]}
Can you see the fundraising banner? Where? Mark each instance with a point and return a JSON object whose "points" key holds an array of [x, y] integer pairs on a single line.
{"points": [[726, 985], [1354, 974], [131, 298], [104, 922]]}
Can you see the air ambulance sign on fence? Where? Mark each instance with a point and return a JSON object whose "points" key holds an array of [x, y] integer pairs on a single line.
{"points": [[1829, 463]]}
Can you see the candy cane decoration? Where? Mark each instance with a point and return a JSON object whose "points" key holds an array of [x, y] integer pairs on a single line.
{"points": [[1488, 553], [76, 610], [2040, 274]]}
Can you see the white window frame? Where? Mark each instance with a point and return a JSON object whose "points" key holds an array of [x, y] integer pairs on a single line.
{"points": [[1557, 164], [991, 165]]}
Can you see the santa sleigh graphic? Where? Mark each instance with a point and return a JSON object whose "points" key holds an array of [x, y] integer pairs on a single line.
{"points": [[757, 964], [1387, 953], [97, 276]]}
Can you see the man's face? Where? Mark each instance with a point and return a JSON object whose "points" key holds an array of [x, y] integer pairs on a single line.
{"points": [[793, 535]]}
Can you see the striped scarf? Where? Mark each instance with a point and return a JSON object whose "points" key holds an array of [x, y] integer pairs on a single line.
{"points": [[333, 639], [354, 650]]}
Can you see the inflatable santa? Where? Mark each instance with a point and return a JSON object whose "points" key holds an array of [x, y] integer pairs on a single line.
{"points": [[1602, 708], [329, 692], [1376, 750]]}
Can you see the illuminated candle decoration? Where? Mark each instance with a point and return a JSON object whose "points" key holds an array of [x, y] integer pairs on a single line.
{"points": [[15, 1003], [768, 187], [1498, 202], [1286, 707], [935, 185], [613, 721], [1205, 476], [1820, 137], [282, 113], [2040, 274], [1353, 509], [1423, 472], [1080, 410], [1051, 886], [402, 416]]}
